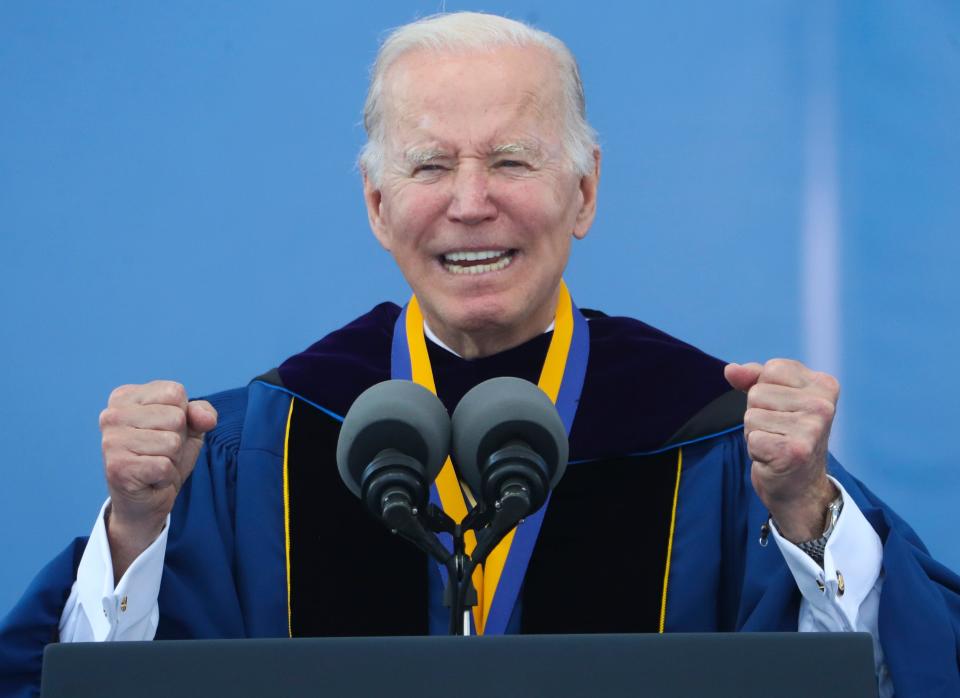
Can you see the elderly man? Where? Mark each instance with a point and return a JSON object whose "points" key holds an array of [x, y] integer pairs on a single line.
{"points": [[226, 517]]}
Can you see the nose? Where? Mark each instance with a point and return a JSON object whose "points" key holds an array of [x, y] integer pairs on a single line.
{"points": [[471, 203]]}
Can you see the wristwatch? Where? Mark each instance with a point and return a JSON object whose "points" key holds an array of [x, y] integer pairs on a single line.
{"points": [[815, 548]]}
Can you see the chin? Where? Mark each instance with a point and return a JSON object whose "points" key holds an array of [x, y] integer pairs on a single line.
{"points": [[473, 312], [480, 317]]}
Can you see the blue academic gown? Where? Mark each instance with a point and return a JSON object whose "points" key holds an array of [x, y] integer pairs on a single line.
{"points": [[225, 573]]}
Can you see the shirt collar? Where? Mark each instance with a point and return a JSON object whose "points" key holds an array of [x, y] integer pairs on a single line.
{"points": [[428, 333]]}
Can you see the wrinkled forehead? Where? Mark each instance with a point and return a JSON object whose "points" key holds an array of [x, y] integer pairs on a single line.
{"points": [[506, 92]]}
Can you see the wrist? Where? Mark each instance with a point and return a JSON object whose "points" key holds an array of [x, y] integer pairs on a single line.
{"points": [[128, 538], [806, 518]]}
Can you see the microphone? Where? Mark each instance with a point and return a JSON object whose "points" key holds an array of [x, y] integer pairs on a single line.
{"points": [[393, 443], [511, 448]]}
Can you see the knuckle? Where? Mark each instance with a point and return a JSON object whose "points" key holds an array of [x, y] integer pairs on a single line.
{"points": [[115, 468], [108, 441], [164, 468], [800, 451], [175, 391], [779, 369], [824, 408], [173, 441], [829, 382], [178, 420], [114, 418], [119, 393]]}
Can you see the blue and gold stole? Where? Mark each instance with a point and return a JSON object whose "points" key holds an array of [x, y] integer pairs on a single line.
{"points": [[499, 580]]}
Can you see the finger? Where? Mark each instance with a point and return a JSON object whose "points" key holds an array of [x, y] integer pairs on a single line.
{"points": [[201, 417], [758, 419], [766, 447], [143, 442], [779, 452], [135, 474], [153, 393], [742, 376], [826, 386], [794, 375], [797, 425], [785, 372], [770, 396], [164, 473], [162, 417]]}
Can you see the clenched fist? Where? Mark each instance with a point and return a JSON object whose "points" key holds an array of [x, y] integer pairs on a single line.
{"points": [[151, 438], [790, 410]]}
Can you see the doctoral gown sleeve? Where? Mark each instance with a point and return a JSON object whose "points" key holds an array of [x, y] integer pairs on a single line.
{"points": [[34, 622], [919, 614], [197, 593]]}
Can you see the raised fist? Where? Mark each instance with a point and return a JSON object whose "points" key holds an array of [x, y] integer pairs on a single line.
{"points": [[151, 438], [790, 410]]}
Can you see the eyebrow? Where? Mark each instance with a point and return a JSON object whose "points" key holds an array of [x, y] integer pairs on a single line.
{"points": [[528, 148], [421, 156]]}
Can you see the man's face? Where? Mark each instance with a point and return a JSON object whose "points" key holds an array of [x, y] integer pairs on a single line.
{"points": [[477, 201]]}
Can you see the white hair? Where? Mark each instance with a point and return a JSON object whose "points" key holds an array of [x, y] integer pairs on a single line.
{"points": [[464, 31]]}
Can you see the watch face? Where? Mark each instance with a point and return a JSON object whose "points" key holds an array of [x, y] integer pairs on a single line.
{"points": [[833, 509]]}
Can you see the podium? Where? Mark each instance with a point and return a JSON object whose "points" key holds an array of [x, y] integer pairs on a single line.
{"points": [[744, 665]]}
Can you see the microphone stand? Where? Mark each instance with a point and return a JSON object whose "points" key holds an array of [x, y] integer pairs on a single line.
{"points": [[490, 525], [459, 593]]}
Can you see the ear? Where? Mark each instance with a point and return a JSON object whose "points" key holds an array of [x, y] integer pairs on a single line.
{"points": [[588, 194], [373, 198]]}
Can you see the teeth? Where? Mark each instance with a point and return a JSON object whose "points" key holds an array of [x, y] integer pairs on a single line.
{"points": [[472, 256], [502, 263]]}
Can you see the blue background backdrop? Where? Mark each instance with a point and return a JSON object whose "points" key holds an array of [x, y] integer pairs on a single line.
{"points": [[178, 199]]}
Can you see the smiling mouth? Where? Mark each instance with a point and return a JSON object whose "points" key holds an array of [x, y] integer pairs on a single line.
{"points": [[477, 261]]}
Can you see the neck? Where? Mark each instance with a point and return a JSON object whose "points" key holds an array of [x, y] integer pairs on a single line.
{"points": [[474, 345], [488, 337], [432, 336]]}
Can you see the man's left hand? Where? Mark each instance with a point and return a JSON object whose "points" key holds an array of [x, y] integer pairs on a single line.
{"points": [[790, 409]]}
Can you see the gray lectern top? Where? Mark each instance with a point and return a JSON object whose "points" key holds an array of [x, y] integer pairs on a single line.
{"points": [[744, 665]]}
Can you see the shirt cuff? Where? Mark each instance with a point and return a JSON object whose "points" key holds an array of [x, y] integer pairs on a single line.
{"points": [[109, 609], [851, 563]]}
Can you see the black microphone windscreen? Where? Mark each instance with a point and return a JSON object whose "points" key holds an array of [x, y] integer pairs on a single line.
{"points": [[501, 410], [394, 414]]}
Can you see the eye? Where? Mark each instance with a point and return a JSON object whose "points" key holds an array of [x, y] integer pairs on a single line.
{"points": [[511, 163], [428, 167]]}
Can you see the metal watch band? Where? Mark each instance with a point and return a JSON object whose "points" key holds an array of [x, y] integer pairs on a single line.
{"points": [[815, 548]]}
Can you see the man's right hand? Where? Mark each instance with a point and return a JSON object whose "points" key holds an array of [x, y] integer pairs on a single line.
{"points": [[151, 438]]}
